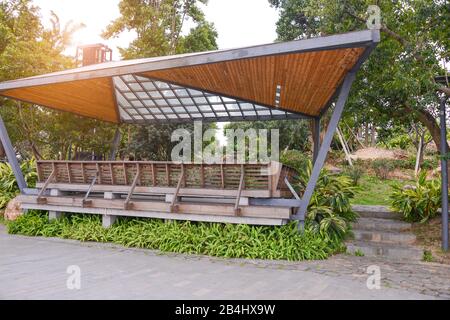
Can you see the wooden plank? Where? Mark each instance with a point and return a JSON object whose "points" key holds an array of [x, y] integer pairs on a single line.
{"points": [[263, 74], [211, 178], [68, 172], [91, 98], [39, 198], [113, 181], [125, 176], [162, 190], [127, 204], [222, 176], [39, 172], [160, 215], [85, 202], [83, 172], [202, 176], [99, 173], [173, 205], [183, 207], [237, 209], [153, 175]]}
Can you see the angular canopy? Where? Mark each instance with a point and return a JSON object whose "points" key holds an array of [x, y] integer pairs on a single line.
{"points": [[275, 81]]}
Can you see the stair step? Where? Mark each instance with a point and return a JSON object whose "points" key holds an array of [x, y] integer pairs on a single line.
{"points": [[384, 236], [381, 212], [390, 251], [380, 224]]}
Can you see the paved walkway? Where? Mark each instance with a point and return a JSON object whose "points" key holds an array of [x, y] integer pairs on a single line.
{"points": [[36, 268]]}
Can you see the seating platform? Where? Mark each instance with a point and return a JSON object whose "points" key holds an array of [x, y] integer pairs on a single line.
{"points": [[166, 190]]}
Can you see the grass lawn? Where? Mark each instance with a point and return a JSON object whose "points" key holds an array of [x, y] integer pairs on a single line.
{"points": [[374, 191]]}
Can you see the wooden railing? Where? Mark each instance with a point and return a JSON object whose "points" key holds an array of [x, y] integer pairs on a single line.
{"points": [[268, 177]]}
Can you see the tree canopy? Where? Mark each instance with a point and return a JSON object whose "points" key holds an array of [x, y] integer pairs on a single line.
{"points": [[28, 48], [397, 83], [160, 29]]}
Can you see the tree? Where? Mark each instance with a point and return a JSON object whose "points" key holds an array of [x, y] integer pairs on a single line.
{"points": [[398, 80], [27, 49], [158, 25], [293, 134], [159, 29]]}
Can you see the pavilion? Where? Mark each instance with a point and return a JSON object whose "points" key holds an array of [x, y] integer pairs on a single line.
{"points": [[300, 79]]}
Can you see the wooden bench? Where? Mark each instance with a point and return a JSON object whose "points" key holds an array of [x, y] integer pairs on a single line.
{"points": [[164, 189], [260, 180]]}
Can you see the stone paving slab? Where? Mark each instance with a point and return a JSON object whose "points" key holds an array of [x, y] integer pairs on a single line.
{"points": [[35, 268]]}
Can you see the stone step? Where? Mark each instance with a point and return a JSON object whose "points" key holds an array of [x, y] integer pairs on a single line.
{"points": [[381, 212], [380, 224], [389, 251], [384, 236]]}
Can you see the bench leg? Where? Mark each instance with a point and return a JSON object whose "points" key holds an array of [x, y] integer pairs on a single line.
{"points": [[55, 215], [108, 221]]}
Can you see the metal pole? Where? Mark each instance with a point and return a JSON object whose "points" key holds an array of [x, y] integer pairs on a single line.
{"points": [[115, 144], [337, 113], [444, 175], [316, 138], [12, 158]]}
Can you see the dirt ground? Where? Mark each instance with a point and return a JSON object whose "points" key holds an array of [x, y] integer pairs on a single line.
{"points": [[429, 237], [378, 153]]}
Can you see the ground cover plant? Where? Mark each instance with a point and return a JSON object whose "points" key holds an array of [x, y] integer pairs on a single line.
{"points": [[8, 184], [213, 239], [420, 202], [330, 211]]}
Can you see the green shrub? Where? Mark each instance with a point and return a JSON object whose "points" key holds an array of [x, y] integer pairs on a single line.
{"points": [[8, 185], [402, 141], [295, 159], [213, 239], [329, 211], [355, 173], [427, 256], [410, 163], [419, 203], [382, 168]]}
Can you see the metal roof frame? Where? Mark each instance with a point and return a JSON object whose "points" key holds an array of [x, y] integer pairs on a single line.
{"points": [[137, 104], [364, 38]]}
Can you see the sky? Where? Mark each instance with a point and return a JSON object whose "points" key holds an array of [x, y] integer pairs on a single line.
{"points": [[238, 22]]}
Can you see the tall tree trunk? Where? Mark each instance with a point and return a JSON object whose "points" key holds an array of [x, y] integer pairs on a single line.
{"points": [[427, 119], [366, 134], [373, 139], [419, 157]]}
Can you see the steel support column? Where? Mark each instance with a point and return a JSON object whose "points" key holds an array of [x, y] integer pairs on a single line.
{"points": [[316, 138], [12, 158], [325, 146], [115, 144], [444, 175]]}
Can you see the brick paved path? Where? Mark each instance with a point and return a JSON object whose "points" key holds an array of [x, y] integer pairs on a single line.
{"points": [[35, 268]]}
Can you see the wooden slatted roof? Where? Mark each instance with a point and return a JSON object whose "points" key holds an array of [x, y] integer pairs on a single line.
{"points": [[275, 81]]}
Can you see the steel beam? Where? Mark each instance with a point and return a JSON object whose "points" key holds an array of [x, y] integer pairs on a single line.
{"points": [[444, 174], [320, 161], [12, 158], [316, 138]]}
